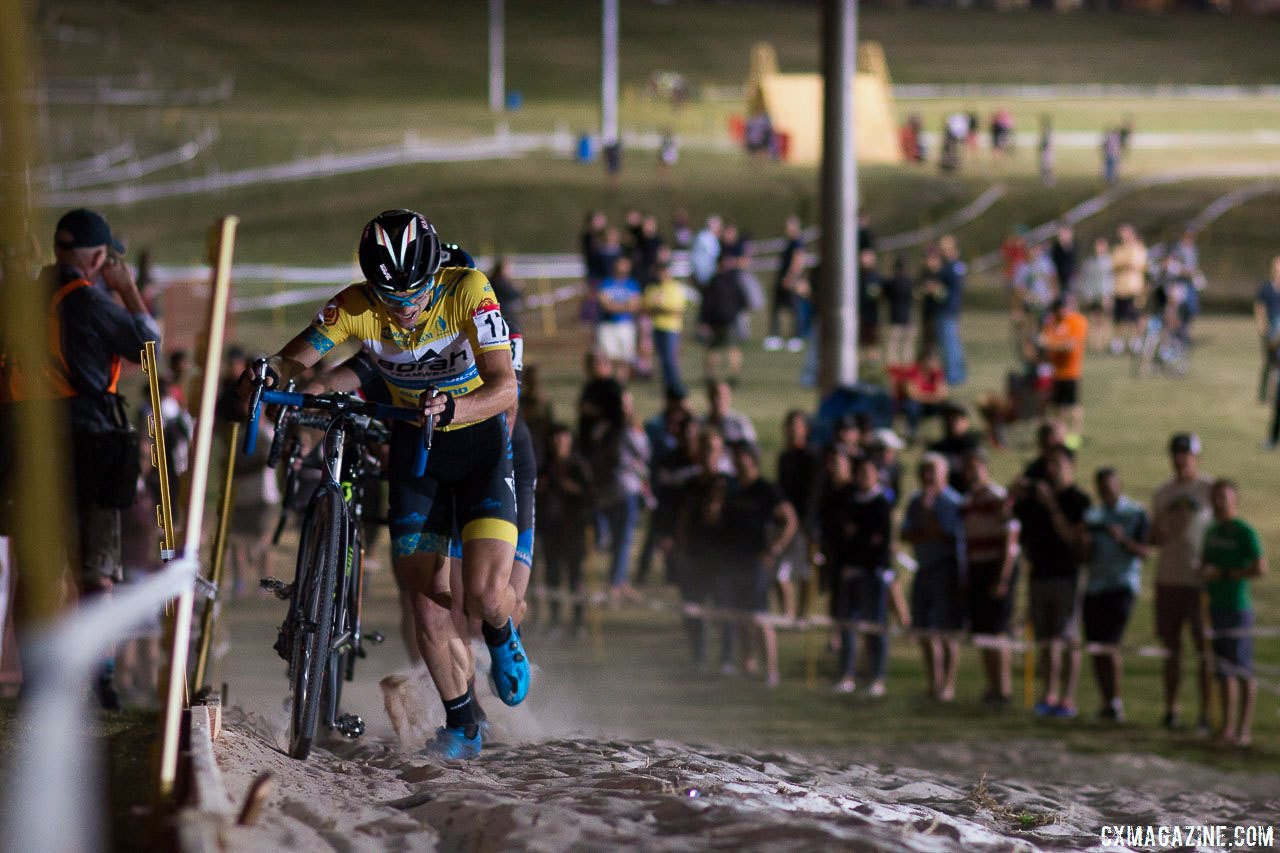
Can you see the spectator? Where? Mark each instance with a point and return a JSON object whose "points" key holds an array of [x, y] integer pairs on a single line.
{"points": [[668, 156], [1232, 558], [672, 471], [664, 432], [1117, 529], [620, 472], [898, 293], [255, 497], [1129, 265], [1063, 339], [924, 393], [991, 553], [1034, 287], [883, 448], [958, 441], [589, 242], [1181, 513], [664, 303], [1266, 315], [762, 526], [647, 249], [1013, 254], [599, 403], [723, 302], [139, 659], [869, 295], [784, 296], [932, 293], [863, 574], [934, 527], [830, 527], [681, 230], [536, 410], [799, 476], [705, 253], [564, 500], [1112, 148], [866, 237], [1048, 153], [952, 275], [1063, 253], [90, 332], [733, 427], [1051, 513], [507, 289], [1050, 435], [699, 543], [1097, 293], [619, 298]]}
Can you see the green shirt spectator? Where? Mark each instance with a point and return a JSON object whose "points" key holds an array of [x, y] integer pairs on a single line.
{"points": [[1231, 546]]}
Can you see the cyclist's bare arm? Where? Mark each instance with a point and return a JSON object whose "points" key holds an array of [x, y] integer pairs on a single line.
{"points": [[497, 394], [297, 356]]}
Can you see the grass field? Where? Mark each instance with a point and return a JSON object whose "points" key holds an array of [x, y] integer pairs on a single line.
{"points": [[332, 80]]}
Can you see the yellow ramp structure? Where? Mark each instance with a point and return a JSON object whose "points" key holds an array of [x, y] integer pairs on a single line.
{"points": [[794, 105]]}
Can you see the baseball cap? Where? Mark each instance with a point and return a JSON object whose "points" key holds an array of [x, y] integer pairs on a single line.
{"points": [[887, 438], [1185, 442], [86, 229]]}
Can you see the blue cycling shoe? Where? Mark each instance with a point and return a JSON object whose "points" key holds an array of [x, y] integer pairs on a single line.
{"points": [[509, 668], [452, 744]]}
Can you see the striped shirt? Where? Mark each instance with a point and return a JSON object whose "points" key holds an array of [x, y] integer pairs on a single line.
{"points": [[988, 523]]}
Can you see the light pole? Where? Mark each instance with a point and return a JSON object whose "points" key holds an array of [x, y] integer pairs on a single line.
{"points": [[609, 75], [497, 57], [838, 284]]}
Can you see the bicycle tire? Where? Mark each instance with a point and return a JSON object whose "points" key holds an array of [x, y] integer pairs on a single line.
{"points": [[342, 662], [314, 586]]}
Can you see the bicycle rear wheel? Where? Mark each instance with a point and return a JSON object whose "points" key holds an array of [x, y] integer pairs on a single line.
{"points": [[319, 553]]}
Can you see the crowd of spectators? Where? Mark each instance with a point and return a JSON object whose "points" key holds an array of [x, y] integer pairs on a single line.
{"points": [[941, 554]]}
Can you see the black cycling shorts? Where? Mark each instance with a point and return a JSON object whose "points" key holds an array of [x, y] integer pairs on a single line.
{"points": [[473, 465], [440, 535]]}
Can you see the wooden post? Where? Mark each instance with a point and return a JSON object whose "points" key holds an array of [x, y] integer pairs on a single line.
{"points": [[219, 558], [198, 479], [546, 288]]}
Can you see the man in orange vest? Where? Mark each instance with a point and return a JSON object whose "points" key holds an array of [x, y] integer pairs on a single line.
{"points": [[96, 318], [1063, 339]]}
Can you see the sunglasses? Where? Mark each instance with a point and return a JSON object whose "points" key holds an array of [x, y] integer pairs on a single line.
{"points": [[404, 299]]}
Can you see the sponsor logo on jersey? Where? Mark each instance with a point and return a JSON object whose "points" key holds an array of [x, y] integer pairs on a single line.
{"points": [[328, 315], [485, 305], [431, 364]]}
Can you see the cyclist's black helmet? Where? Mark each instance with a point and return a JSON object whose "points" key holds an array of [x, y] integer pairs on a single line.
{"points": [[399, 251]]}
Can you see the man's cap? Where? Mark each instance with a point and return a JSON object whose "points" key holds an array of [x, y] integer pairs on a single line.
{"points": [[85, 229], [887, 438], [955, 410], [1185, 442]]}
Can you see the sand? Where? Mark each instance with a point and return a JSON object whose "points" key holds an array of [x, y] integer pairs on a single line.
{"points": [[545, 782]]}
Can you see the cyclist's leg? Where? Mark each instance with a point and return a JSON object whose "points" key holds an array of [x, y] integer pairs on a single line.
{"points": [[485, 502], [525, 470], [425, 576]]}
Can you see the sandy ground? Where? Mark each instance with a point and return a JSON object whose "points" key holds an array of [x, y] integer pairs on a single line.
{"points": [[576, 769], [548, 782]]}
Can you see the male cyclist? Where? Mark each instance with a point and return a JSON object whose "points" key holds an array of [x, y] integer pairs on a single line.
{"points": [[437, 336]]}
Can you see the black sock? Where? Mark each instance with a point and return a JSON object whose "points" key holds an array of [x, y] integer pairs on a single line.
{"points": [[461, 713], [496, 636]]}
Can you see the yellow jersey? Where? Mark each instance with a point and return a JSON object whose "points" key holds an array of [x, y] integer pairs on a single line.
{"points": [[462, 319]]}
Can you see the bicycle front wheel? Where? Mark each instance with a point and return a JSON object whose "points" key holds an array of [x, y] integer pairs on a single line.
{"points": [[319, 553]]}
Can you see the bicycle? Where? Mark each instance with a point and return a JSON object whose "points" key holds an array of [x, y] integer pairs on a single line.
{"points": [[321, 636]]}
